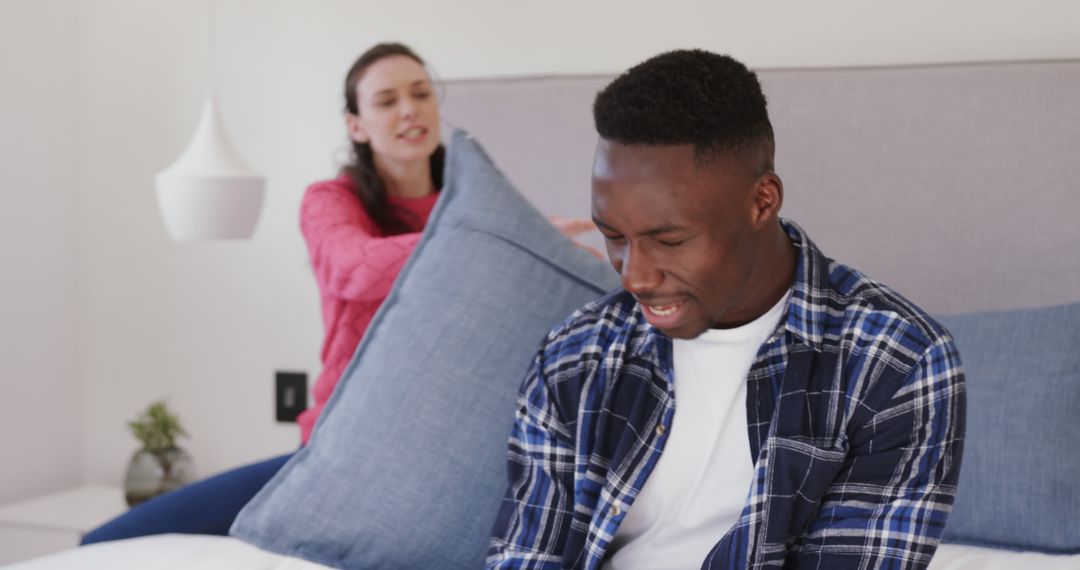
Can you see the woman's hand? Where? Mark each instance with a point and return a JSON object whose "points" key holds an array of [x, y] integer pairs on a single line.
{"points": [[573, 227]]}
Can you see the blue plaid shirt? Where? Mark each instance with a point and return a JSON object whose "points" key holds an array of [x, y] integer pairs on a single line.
{"points": [[855, 413]]}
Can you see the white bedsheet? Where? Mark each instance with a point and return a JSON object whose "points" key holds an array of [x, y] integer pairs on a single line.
{"points": [[197, 552], [168, 552]]}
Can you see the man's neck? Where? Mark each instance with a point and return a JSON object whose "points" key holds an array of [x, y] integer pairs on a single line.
{"points": [[779, 276], [770, 278]]}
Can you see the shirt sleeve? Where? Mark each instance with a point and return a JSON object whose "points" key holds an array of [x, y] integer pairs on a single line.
{"points": [[534, 519], [350, 260], [888, 506]]}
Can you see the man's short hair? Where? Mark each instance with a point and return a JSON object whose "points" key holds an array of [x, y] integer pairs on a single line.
{"points": [[685, 97]]}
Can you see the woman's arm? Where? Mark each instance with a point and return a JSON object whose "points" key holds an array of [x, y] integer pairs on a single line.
{"points": [[350, 259]]}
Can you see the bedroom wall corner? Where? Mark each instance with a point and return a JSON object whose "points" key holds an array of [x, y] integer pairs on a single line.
{"points": [[39, 380]]}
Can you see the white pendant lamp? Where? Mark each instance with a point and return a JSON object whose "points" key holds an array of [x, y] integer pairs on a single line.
{"points": [[209, 192]]}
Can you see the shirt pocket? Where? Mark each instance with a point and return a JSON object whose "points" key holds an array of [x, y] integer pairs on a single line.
{"points": [[798, 475]]}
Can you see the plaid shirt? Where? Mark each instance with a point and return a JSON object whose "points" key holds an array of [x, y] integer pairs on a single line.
{"points": [[855, 413]]}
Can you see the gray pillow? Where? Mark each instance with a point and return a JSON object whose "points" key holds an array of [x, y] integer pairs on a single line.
{"points": [[406, 466], [1020, 478]]}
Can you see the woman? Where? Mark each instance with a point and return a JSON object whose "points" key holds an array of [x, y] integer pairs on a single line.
{"points": [[360, 228]]}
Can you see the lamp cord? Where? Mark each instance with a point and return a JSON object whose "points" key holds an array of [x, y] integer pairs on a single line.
{"points": [[211, 65]]}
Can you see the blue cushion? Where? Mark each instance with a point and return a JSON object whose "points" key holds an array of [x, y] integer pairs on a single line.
{"points": [[406, 466], [1020, 477]]}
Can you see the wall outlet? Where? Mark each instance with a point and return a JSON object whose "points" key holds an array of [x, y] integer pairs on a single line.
{"points": [[290, 395]]}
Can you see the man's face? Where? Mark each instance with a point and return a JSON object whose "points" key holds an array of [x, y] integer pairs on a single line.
{"points": [[680, 232]]}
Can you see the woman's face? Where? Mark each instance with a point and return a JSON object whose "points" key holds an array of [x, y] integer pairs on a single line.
{"points": [[399, 113]]}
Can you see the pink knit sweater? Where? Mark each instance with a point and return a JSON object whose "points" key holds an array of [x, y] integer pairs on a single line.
{"points": [[355, 265]]}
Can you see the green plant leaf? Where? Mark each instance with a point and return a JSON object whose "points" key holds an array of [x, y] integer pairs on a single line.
{"points": [[157, 428]]}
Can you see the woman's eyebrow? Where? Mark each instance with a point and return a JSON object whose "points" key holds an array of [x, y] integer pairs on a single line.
{"points": [[390, 90]]}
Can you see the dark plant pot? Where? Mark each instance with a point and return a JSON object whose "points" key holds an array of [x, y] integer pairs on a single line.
{"points": [[150, 474]]}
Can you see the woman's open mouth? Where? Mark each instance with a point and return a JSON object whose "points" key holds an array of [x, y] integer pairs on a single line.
{"points": [[413, 134]]}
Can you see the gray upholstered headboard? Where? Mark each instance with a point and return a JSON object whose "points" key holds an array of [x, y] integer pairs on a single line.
{"points": [[958, 185]]}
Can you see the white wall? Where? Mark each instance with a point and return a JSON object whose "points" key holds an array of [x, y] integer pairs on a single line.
{"points": [[206, 324], [39, 382], [201, 324]]}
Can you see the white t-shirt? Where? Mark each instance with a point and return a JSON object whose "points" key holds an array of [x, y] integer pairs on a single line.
{"points": [[701, 482]]}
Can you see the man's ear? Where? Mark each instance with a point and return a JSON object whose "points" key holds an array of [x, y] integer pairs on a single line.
{"points": [[768, 198], [356, 130]]}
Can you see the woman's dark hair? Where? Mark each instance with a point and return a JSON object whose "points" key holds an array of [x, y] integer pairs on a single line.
{"points": [[369, 187]]}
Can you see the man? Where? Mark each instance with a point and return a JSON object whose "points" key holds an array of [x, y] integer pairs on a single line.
{"points": [[819, 417]]}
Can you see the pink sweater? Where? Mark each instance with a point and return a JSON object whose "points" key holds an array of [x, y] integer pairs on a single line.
{"points": [[355, 265]]}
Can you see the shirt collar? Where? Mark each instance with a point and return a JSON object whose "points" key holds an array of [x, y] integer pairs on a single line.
{"points": [[806, 310]]}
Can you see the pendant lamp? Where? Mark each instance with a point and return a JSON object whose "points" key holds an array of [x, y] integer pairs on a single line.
{"points": [[210, 192]]}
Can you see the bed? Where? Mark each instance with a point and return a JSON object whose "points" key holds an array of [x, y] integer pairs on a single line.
{"points": [[193, 552], [955, 184]]}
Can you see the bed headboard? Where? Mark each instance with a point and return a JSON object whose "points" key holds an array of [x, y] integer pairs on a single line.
{"points": [[959, 185]]}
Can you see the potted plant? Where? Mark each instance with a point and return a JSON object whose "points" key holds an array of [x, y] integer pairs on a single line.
{"points": [[160, 465]]}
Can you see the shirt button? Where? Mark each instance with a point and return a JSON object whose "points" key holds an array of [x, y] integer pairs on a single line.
{"points": [[616, 510], [660, 429]]}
